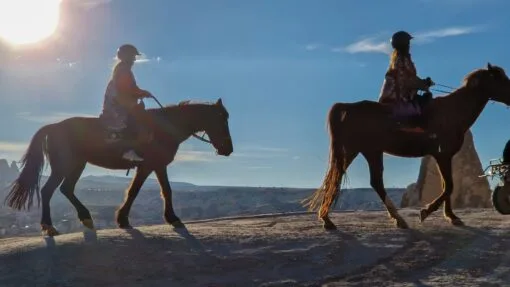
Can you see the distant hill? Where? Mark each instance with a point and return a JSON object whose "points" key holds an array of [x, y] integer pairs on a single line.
{"points": [[106, 182]]}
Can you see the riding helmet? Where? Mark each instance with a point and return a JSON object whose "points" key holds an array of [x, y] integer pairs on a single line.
{"points": [[400, 39], [126, 52]]}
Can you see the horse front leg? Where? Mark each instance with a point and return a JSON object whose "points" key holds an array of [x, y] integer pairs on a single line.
{"points": [[122, 214], [445, 167], [376, 167], [166, 192]]}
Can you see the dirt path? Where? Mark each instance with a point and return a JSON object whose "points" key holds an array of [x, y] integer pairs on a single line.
{"points": [[290, 250]]}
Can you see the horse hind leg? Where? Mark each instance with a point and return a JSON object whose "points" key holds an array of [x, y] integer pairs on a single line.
{"points": [[47, 191], [67, 188], [376, 167], [323, 212]]}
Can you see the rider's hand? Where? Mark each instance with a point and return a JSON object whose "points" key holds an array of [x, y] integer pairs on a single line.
{"points": [[145, 94], [429, 82]]}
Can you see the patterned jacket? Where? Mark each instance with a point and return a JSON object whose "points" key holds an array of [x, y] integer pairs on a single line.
{"points": [[398, 81], [116, 100]]}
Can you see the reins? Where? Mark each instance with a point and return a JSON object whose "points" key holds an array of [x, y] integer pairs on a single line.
{"points": [[201, 138], [443, 91]]}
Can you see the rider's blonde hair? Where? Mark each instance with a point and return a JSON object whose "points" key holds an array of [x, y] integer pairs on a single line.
{"points": [[393, 58]]}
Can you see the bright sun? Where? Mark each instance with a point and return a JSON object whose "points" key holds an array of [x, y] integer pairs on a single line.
{"points": [[28, 21]]}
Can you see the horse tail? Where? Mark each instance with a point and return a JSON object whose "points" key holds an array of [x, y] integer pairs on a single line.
{"points": [[329, 191], [32, 162]]}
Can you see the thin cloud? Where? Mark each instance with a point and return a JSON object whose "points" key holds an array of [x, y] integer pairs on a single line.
{"points": [[50, 118], [313, 47], [259, 167], [6, 146], [366, 46], [144, 59], [12, 150], [195, 156], [90, 4], [430, 36], [264, 149], [373, 45]]}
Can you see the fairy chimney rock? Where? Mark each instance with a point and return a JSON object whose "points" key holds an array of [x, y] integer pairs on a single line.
{"points": [[7, 172], [470, 190]]}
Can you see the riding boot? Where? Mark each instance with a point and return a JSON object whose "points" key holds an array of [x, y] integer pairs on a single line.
{"points": [[143, 137]]}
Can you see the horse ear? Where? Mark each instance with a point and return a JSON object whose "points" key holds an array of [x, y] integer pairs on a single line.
{"points": [[219, 102], [489, 66]]}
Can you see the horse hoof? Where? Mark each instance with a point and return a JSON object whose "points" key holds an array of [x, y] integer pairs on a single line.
{"points": [[49, 230], [125, 226], [177, 224], [89, 223], [456, 222], [401, 223], [328, 224], [423, 214]]}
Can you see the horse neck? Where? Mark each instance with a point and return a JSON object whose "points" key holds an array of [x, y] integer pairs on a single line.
{"points": [[183, 121], [466, 104]]}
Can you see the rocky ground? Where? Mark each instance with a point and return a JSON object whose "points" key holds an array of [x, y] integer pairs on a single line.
{"points": [[271, 250]]}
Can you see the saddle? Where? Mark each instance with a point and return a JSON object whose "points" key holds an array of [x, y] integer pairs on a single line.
{"points": [[408, 117], [113, 134]]}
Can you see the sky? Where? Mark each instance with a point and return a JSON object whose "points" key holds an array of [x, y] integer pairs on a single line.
{"points": [[277, 65]]}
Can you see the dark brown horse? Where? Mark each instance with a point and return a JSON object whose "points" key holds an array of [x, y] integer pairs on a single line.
{"points": [[72, 143], [366, 128]]}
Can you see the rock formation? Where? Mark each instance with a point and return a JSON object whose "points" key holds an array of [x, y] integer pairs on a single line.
{"points": [[7, 172], [469, 189]]}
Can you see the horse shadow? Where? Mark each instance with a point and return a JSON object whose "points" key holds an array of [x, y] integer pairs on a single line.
{"points": [[191, 240]]}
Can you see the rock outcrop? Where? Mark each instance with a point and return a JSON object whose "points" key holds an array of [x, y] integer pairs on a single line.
{"points": [[470, 190], [8, 172]]}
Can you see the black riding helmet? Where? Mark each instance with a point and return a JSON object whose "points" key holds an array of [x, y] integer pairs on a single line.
{"points": [[126, 52], [401, 40]]}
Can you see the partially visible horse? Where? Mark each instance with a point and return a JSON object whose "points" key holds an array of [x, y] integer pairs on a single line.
{"points": [[367, 128], [72, 143]]}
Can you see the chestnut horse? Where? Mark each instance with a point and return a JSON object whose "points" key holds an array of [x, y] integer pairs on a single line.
{"points": [[367, 128], [72, 143]]}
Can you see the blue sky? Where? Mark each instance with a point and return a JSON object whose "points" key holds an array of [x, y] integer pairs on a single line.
{"points": [[277, 65]]}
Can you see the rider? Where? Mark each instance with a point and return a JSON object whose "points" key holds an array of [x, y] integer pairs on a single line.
{"points": [[401, 82], [121, 96]]}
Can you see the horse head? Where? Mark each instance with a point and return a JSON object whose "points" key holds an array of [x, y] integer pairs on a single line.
{"points": [[215, 124], [493, 81]]}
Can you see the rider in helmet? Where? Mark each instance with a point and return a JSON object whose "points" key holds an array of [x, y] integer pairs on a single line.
{"points": [[401, 82], [122, 95]]}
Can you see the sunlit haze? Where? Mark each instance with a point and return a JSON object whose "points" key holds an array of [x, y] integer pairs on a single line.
{"points": [[28, 21]]}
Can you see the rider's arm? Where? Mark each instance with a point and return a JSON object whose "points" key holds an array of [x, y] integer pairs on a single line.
{"points": [[126, 84], [407, 70], [388, 91]]}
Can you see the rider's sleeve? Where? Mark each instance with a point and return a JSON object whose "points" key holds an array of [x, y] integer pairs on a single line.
{"points": [[125, 82], [412, 79]]}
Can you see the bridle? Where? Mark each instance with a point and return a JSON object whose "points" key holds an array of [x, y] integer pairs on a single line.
{"points": [[201, 138]]}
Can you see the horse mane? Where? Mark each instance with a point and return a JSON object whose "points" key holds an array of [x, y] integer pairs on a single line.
{"points": [[473, 74], [479, 72], [181, 104]]}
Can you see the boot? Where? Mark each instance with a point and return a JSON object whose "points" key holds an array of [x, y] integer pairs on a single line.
{"points": [[131, 155]]}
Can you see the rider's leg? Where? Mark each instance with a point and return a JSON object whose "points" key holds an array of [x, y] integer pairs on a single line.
{"points": [[139, 137], [143, 136]]}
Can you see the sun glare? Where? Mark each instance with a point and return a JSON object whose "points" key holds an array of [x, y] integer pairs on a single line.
{"points": [[28, 21]]}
